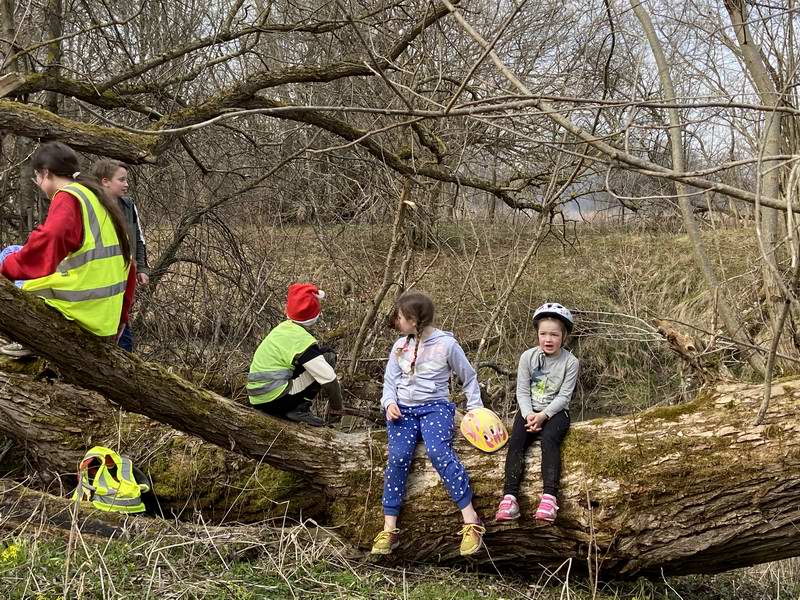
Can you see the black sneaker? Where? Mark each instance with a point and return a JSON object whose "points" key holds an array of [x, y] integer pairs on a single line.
{"points": [[302, 414]]}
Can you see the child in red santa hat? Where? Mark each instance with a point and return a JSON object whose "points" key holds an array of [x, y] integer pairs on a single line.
{"points": [[289, 366]]}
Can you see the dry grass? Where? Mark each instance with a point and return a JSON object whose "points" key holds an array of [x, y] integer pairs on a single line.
{"points": [[305, 561], [616, 281], [210, 323]]}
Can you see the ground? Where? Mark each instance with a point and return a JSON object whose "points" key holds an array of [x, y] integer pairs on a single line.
{"points": [[290, 565]]}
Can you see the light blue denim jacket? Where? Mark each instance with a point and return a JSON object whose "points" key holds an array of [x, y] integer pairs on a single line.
{"points": [[438, 355]]}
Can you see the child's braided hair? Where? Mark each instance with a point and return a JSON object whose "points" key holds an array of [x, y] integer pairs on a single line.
{"points": [[418, 307]]}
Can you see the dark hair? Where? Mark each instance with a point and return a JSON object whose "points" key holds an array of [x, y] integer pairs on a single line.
{"points": [[62, 161], [106, 168], [419, 307]]}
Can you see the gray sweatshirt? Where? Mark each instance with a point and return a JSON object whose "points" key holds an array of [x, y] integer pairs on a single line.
{"points": [[439, 355], [545, 383]]}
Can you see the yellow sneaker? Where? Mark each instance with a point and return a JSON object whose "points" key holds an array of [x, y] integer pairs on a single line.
{"points": [[386, 541], [471, 538]]}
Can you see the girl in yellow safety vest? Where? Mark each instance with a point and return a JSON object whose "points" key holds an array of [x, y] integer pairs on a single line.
{"points": [[78, 260]]}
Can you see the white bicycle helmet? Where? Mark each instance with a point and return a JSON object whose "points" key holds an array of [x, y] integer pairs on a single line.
{"points": [[556, 311]]}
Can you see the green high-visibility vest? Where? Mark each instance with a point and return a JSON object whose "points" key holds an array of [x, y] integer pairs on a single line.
{"points": [[88, 286], [273, 362], [113, 488]]}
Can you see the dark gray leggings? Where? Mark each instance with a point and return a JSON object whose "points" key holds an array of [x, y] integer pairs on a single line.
{"points": [[551, 435]]}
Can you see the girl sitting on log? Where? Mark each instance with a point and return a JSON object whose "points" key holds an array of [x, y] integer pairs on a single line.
{"points": [[416, 400], [546, 378], [78, 260]]}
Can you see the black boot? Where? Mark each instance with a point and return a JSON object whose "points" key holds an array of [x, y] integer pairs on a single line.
{"points": [[302, 414]]}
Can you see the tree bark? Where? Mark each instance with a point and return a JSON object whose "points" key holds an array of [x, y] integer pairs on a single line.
{"points": [[777, 285], [55, 424], [683, 489], [37, 123]]}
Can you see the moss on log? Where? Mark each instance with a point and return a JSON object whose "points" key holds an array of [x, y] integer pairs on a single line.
{"points": [[27, 511], [55, 424], [38, 123]]}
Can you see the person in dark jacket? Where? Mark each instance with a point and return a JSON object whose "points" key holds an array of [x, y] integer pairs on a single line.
{"points": [[95, 291], [113, 176]]}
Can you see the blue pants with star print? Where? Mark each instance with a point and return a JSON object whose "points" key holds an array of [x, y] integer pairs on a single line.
{"points": [[434, 422]]}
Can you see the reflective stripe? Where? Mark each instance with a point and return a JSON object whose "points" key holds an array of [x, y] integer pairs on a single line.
{"points": [[94, 254], [108, 499], [81, 295], [99, 250], [105, 482], [127, 470], [94, 224], [285, 374], [273, 380], [112, 490], [273, 363], [267, 387]]}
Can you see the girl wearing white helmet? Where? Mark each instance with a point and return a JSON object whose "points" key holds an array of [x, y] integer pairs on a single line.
{"points": [[546, 378]]}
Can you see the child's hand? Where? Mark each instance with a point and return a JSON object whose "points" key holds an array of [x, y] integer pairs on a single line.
{"points": [[530, 422], [393, 412], [534, 422]]}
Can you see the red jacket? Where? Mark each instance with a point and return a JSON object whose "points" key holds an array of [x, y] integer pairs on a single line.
{"points": [[51, 242]]}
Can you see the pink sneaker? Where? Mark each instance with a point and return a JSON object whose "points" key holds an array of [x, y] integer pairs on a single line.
{"points": [[548, 507], [508, 509]]}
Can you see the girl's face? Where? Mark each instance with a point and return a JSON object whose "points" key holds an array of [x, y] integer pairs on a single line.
{"points": [[405, 325], [44, 181], [551, 336], [117, 186]]}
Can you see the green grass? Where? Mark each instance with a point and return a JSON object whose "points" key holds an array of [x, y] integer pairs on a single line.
{"points": [[34, 568]]}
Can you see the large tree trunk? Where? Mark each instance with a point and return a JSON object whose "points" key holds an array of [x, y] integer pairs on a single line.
{"points": [[55, 424], [689, 488]]}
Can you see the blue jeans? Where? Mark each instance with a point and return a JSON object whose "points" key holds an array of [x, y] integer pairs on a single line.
{"points": [[126, 339], [434, 422]]}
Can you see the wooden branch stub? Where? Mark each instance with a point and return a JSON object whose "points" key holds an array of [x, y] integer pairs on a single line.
{"points": [[8, 83]]}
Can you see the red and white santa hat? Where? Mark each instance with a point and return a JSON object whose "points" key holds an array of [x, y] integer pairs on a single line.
{"points": [[302, 303]]}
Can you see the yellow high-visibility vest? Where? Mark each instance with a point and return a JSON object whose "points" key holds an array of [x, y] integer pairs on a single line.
{"points": [[89, 284], [273, 363], [113, 488]]}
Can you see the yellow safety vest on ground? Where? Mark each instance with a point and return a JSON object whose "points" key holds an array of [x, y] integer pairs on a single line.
{"points": [[89, 284], [273, 362], [112, 487]]}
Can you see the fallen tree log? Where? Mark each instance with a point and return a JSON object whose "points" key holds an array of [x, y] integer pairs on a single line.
{"points": [[684, 489], [55, 423]]}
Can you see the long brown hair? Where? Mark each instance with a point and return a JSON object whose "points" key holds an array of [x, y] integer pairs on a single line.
{"points": [[106, 168], [419, 307], [62, 161]]}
